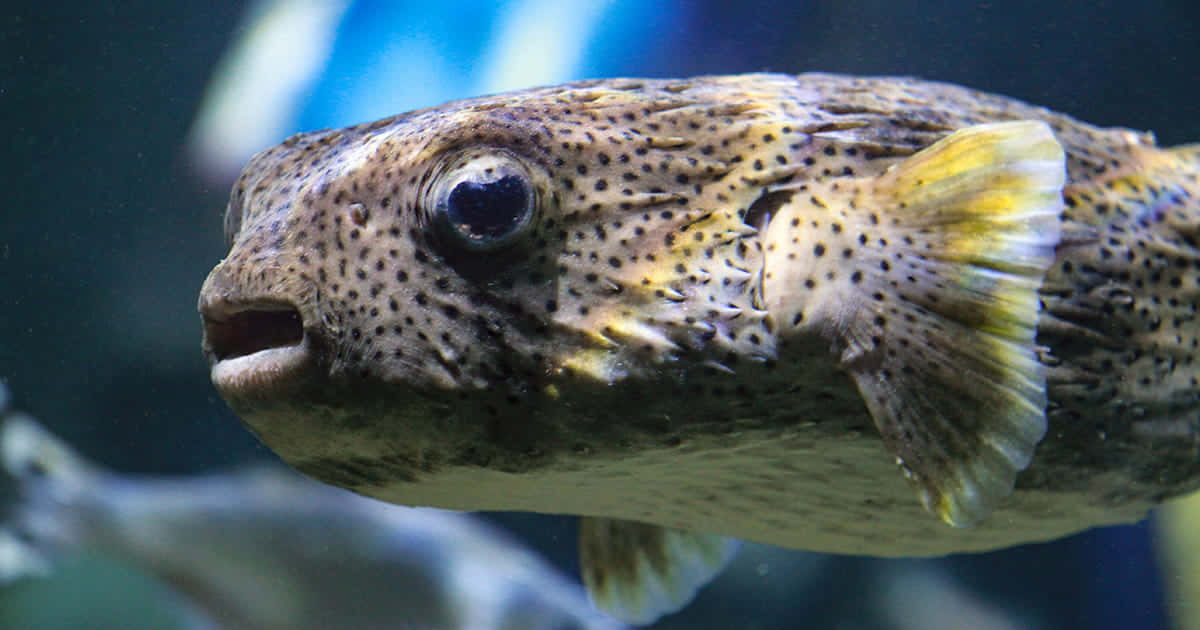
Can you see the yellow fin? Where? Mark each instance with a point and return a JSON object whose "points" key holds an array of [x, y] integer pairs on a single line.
{"points": [[942, 343], [637, 572]]}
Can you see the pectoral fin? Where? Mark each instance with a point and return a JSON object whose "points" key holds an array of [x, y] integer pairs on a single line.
{"points": [[638, 573], [942, 342]]}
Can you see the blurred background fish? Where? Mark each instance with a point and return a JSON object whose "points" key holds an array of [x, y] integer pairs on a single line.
{"points": [[127, 120], [264, 549]]}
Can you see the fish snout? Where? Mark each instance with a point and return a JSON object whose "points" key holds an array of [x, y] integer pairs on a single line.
{"points": [[255, 341]]}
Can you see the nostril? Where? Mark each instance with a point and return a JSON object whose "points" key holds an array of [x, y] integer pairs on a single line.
{"points": [[248, 331]]}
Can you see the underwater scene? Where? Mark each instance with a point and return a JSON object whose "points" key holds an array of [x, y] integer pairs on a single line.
{"points": [[601, 314]]}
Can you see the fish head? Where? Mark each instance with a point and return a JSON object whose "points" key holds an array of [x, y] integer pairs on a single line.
{"points": [[514, 261]]}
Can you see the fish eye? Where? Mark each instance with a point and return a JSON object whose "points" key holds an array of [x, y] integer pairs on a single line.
{"points": [[484, 202]]}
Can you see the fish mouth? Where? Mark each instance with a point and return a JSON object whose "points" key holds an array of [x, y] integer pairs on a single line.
{"points": [[255, 347]]}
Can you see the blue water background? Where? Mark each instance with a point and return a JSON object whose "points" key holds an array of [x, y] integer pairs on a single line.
{"points": [[106, 233]]}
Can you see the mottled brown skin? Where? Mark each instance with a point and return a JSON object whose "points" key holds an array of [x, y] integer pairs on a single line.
{"points": [[571, 373]]}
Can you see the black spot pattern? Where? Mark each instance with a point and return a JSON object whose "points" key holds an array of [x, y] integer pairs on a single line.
{"points": [[631, 315]]}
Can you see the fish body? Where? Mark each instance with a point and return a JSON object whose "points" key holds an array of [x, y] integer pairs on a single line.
{"points": [[267, 549], [700, 304]]}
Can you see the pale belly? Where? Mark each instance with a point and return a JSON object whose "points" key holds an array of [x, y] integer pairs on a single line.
{"points": [[800, 489]]}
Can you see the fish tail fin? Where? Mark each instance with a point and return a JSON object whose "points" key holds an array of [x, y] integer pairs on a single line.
{"points": [[932, 305], [41, 479], [637, 572]]}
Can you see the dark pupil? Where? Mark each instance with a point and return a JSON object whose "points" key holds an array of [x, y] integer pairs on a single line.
{"points": [[488, 210]]}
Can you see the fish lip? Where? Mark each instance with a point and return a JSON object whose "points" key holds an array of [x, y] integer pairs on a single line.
{"points": [[255, 347]]}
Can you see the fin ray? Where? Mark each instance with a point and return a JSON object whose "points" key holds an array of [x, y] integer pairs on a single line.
{"points": [[948, 364]]}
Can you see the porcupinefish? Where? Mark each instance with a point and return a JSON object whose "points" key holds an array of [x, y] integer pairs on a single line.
{"points": [[266, 549], [676, 307]]}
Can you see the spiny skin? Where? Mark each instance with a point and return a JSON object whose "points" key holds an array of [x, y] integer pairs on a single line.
{"points": [[622, 360]]}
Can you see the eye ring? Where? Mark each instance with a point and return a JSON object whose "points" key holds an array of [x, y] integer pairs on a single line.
{"points": [[483, 201]]}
